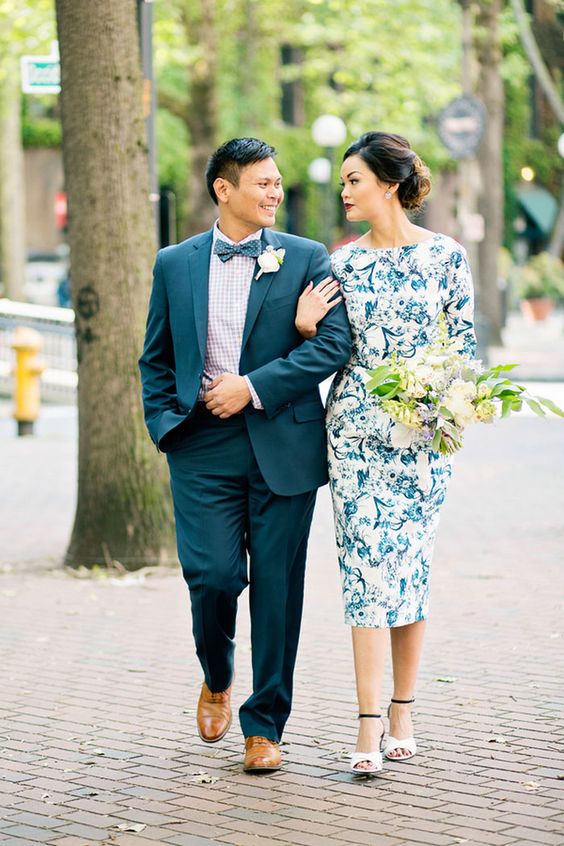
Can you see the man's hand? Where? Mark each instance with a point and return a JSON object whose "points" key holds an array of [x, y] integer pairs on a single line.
{"points": [[228, 394]]}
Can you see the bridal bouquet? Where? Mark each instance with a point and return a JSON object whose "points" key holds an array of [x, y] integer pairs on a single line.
{"points": [[442, 390]]}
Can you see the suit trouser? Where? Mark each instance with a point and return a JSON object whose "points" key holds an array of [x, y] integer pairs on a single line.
{"points": [[223, 508]]}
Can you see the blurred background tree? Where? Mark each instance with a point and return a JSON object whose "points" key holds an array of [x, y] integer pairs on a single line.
{"points": [[23, 29]]}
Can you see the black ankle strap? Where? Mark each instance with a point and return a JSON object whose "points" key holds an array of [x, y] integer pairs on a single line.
{"points": [[377, 716], [403, 701]]}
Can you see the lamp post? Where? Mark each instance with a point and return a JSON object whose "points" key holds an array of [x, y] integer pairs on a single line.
{"points": [[329, 132]]}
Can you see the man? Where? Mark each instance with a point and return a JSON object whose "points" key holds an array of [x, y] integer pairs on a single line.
{"points": [[230, 390]]}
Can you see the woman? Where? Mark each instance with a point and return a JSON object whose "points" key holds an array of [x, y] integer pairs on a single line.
{"points": [[397, 279]]}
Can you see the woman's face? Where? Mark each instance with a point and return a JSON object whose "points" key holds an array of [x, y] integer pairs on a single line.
{"points": [[363, 193]]}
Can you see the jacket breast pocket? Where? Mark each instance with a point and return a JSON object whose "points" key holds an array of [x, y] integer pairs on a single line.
{"points": [[308, 411], [280, 302]]}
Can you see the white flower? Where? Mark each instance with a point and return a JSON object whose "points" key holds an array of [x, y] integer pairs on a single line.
{"points": [[458, 400], [270, 260], [402, 437]]}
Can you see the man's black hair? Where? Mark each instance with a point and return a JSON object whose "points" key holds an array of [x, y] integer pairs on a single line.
{"points": [[231, 157]]}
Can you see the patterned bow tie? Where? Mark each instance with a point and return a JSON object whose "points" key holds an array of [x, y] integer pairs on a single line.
{"points": [[225, 251]]}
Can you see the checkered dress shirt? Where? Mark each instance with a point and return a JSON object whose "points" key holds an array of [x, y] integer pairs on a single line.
{"points": [[229, 288]]}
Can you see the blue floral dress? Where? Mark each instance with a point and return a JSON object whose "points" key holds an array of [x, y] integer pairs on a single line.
{"points": [[387, 494]]}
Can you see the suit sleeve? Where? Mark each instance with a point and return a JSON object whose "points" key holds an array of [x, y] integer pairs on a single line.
{"points": [[157, 364], [285, 379]]}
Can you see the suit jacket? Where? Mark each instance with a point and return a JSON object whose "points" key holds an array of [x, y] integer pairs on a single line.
{"points": [[288, 437]]}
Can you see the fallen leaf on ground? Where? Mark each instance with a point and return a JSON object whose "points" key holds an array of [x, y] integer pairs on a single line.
{"points": [[446, 679], [204, 778], [137, 827]]}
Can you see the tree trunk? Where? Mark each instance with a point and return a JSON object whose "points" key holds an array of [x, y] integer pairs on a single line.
{"points": [[201, 116], [123, 511], [490, 158], [535, 57], [12, 193], [556, 245]]}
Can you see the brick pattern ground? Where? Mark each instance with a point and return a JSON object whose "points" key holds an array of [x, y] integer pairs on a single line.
{"points": [[98, 685]]}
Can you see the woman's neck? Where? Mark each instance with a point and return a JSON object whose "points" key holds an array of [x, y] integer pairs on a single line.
{"points": [[395, 231]]}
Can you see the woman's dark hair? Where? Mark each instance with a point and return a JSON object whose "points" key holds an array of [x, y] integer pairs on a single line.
{"points": [[392, 160], [231, 157]]}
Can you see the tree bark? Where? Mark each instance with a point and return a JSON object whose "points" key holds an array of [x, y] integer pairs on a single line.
{"points": [[556, 245], [200, 25], [490, 158], [12, 193], [535, 57], [123, 510]]}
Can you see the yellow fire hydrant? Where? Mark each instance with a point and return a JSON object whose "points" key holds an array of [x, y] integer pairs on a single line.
{"points": [[26, 343]]}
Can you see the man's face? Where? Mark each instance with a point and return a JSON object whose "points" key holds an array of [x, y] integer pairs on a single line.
{"points": [[255, 200]]}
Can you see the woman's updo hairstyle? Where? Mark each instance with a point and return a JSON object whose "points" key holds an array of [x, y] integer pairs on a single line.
{"points": [[392, 160]]}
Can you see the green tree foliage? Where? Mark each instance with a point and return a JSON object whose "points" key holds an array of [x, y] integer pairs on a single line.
{"points": [[373, 67], [28, 28]]}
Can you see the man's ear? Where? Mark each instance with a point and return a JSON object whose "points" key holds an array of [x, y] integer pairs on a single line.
{"points": [[222, 188]]}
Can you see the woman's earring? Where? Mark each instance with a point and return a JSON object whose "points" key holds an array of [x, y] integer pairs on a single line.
{"points": [[388, 195]]}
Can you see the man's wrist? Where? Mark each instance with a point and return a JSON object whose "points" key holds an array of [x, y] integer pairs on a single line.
{"points": [[255, 399]]}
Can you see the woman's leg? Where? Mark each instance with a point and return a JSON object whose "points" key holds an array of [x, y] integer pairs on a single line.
{"points": [[407, 645], [369, 649]]}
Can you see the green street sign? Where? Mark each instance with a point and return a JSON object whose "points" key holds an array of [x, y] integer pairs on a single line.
{"points": [[41, 74]]}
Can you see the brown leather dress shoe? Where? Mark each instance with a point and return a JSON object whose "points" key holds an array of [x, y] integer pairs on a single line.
{"points": [[214, 714], [261, 755]]}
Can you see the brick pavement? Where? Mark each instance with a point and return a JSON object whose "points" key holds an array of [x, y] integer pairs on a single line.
{"points": [[99, 682]]}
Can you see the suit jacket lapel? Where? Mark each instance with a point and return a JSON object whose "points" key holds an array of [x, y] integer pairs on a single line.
{"points": [[199, 265], [259, 287]]}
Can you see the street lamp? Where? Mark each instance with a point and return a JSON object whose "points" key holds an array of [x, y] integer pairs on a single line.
{"points": [[329, 132], [319, 171]]}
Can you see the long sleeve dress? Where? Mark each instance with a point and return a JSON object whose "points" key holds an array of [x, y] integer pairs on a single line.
{"points": [[387, 498]]}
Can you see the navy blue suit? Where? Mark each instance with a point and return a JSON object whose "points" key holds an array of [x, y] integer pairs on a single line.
{"points": [[247, 484]]}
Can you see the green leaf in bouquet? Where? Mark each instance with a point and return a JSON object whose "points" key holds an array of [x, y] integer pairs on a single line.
{"points": [[550, 405], [444, 412], [507, 393], [389, 389], [535, 406], [504, 386], [506, 407], [436, 443], [499, 368], [378, 376]]}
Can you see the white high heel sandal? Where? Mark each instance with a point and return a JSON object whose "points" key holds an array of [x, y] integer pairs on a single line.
{"points": [[373, 758], [393, 743]]}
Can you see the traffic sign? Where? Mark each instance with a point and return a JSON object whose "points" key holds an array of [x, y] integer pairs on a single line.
{"points": [[461, 126], [41, 74]]}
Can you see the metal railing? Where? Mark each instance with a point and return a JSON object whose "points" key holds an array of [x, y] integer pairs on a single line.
{"points": [[56, 326]]}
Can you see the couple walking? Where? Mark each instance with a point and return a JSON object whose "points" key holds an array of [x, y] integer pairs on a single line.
{"points": [[243, 325]]}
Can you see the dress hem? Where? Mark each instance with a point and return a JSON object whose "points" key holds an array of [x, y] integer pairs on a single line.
{"points": [[384, 625]]}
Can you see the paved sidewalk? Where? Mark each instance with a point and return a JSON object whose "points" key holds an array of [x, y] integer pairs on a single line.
{"points": [[98, 680], [537, 347]]}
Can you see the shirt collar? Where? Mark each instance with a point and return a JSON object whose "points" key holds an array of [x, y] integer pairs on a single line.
{"points": [[217, 233]]}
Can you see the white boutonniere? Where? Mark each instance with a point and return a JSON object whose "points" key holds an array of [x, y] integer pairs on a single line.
{"points": [[270, 261]]}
